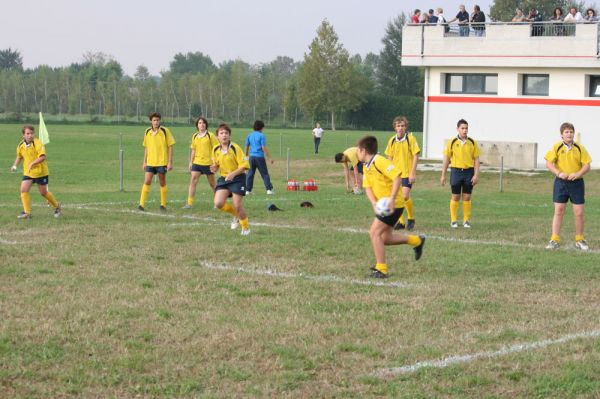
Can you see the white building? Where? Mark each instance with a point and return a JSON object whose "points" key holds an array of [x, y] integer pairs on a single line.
{"points": [[510, 85]]}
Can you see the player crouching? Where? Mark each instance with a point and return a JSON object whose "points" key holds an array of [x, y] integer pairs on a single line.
{"points": [[383, 180], [230, 160]]}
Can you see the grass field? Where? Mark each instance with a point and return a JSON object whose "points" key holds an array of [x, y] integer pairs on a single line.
{"points": [[110, 302]]}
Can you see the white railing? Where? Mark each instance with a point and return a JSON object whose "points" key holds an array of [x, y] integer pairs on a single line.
{"points": [[538, 29]]}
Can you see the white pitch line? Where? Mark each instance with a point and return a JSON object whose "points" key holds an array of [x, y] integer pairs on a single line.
{"points": [[6, 242], [312, 277], [507, 350]]}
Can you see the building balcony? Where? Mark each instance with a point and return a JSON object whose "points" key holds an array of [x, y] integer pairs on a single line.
{"points": [[539, 45]]}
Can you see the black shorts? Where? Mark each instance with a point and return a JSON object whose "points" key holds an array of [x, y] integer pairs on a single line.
{"points": [[156, 169], [235, 186], [393, 218], [565, 190], [460, 180], [359, 167], [203, 169], [406, 182], [42, 181]]}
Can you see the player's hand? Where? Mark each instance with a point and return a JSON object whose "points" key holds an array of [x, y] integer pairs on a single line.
{"points": [[443, 180], [144, 166], [30, 167], [412, 179], [229, 177], [170, 166], [573, 176], [214, 168], [474, 180], [13, 168], [190, 166]]}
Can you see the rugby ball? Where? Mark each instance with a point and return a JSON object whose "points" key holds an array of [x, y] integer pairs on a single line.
{"points": [[383, 207]]}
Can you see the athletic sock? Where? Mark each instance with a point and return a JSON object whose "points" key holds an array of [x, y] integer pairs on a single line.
{"points": [[555, 238], [144, 195], [466, 210], [409, 208], [229, 209], [413, 240], [163, 195], [190, 201], [382, 267], [51, 200], [579, 237], [26, 200], [453, 211], [244, 223]]}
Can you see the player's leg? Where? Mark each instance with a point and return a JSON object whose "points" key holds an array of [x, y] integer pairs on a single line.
{"points": [[467, 189], [43, 189], [195, 176], [577, 195], [220, 201], [376, 234], [560, 196], [211, 181], [25, 198], [164, 191], [456, 189], [148, 175], [241, 213], [264, 173], [408, 204], [250, 175]]}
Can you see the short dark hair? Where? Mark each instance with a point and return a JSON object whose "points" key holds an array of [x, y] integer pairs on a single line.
{"points": [[224, 126], [339, 157], [567, 125], [27, 127], [368, 143], [417, 11], [258, 125], [476, 8], [462, 122], [201, 118], [154, 115]]}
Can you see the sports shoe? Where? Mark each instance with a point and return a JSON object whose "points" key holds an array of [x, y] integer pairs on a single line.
{"points": [[141, 208], [377, 274], [270, 192], [163, 208], [583, 245], [419, 248], [410, 225], [466, 224], [399, 226], [248, 192], [57, 211], [245, 232], [454, 225], [553, 245], [23, 215], [187, 206], [235, 223]]}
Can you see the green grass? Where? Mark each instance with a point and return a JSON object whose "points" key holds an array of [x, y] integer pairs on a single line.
{"points": [[108, 302]]}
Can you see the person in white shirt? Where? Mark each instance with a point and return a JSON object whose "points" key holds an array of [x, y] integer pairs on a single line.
{"points": [[317, 134], [442, 19], [573, 15]]}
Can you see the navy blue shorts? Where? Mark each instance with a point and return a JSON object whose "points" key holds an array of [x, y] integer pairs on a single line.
{"points": [[203, 169], [393, 218], [406, 182], [42, 181], [460, 180], [359, 167], [565, 190], [235, 186], [156, 169]]}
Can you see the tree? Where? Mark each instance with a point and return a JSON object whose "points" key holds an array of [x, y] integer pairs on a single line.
{"points": [[328, 81], [394, 79], [192, 63], [142, 73], [504, 10], [11, 60]]}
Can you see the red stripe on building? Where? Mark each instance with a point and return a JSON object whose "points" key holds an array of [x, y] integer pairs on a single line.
{"points": [[509, 100], [493, 56]]}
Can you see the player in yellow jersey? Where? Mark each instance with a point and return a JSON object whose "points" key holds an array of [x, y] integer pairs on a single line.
{"points": [[350, 163], [203, 142], [383, 179], [229, 159], [569, 161], [462, 152], [403, 150], [35, 170], [158, 159]]}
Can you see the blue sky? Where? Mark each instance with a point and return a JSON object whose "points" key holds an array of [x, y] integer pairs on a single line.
{"points": [[151, 32]]}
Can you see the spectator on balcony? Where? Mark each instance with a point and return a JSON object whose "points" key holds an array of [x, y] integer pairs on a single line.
{"points": [[478, 21], [441, 19], [424, 19], [590, 15], [463, 21], [519, 16], [573, 15], [432, 17], [537, 29], [416, 18], [557, 19]]}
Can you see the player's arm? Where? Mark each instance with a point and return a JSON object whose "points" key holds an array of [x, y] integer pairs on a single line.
{"points": [[237, 172], [554, 169], [444, 169], [371, 197], [37, 161], [192, 156], [13, 168], [412, 176], [346, 175], [477, 165], [579, 174], [145, 161], [268, 154], [170, 164], [247, 150], [396, 184], [356, 177]]}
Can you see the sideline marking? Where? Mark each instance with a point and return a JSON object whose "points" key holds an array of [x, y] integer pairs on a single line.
{"points": [[506, 350], [6, 242], [313, 277]]}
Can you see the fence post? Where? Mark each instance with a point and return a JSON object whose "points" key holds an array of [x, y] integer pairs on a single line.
{"points": [[502, 173], [287, 173], [280, 144], [121, 162]]}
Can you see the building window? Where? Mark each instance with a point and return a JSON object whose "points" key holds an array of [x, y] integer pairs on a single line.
{"points": [[535, 85], [594, 86], [473, 83]]}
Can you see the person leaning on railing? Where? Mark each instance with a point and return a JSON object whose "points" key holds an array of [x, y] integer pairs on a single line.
{"points": [[590, 15], [537, 29], [463, 21], [478, 21], [557, 19]]}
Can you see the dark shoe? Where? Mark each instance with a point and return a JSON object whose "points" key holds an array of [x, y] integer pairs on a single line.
{"points": [[141, 208], [399, 226], [377, 274], [163, 208], [419, 248], [410, 225]]}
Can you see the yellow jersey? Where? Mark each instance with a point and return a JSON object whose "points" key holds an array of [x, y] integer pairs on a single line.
{"points": [[202, 145], [231, 160], [157, 144], [462, 154], [379, 175], [568, 159], [402, 151], [29, 153], [352, 155]]}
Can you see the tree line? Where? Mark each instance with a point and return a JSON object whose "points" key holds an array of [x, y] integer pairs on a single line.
{"points": [[328, 85]]}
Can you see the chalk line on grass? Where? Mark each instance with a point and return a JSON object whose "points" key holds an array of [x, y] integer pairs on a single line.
{"points": [[506, 350], [312, 277]]}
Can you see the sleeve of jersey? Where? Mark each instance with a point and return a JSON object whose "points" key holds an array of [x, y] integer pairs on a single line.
{"points": [[388, 149], [585, 156], [192, 142], [144, 141], [551, 156], [263, 141], [366, 181], [388, 168], [414, 146], [476, 150], [42, 148], [241, 158], [170, 138], [19, 151], [447, 150]]}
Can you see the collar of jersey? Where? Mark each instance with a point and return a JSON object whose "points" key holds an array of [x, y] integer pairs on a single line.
{"points": [[461, 140], [402, 139], [368, 164], [568, 147]]}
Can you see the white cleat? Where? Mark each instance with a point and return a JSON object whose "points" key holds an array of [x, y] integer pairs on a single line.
{"points": [[270, 192], [245, 232], [582, 245], [235, 223], [552, 245]]}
